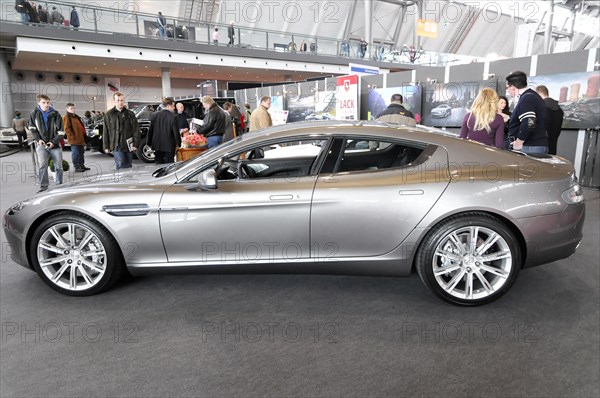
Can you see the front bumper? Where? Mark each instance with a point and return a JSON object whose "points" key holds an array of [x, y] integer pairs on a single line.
{"points": [[16, 241]]}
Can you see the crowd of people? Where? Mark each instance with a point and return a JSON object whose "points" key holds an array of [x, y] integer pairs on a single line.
{"points": [[533, 126], [30, 13]]}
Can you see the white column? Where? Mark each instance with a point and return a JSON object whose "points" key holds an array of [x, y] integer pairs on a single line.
{"points": [[7, 109], [369, 27], [166, 82]]}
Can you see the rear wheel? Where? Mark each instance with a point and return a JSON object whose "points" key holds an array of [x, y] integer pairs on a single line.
{"points": [[470, 259], [144, 152], [75, 256]]}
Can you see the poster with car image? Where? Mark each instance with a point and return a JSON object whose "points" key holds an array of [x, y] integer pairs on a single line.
{"points": [[325, 101], [380, 98], [445, 105], [300, 100], [577, 94]]}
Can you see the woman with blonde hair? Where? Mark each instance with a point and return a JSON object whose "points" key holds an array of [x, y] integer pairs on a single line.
{"points": [[484, 124]]}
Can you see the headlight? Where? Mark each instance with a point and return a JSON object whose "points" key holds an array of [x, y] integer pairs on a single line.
{"points": [[573, 195], [14, 209]]}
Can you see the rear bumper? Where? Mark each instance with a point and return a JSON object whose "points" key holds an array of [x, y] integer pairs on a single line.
{"points": [[554, 236]]}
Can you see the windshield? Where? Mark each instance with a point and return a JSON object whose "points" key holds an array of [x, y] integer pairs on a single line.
{"points": [[138, 109]]}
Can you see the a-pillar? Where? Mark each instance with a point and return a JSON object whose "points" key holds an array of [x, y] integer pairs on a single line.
{"points": [[166, 82], [7, 108]]}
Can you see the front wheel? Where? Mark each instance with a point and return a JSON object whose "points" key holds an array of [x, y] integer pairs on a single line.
{"points": [[144, 152], [469, 259], [75, 256]]}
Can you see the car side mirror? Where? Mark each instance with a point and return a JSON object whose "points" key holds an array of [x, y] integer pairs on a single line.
{"points": [[207, 180]]}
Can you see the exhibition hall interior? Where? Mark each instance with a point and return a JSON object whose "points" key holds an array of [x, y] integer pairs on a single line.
{"points": [[357, 198]]}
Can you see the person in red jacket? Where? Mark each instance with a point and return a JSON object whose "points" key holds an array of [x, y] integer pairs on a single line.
{"points": [[75, 130]]}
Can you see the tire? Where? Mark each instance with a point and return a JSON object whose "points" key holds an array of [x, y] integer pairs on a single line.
{"points": [[451, 267], [73, 269], [144, 152]]}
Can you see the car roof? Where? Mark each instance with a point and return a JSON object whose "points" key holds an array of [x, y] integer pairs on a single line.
{"points": [[351, 127]]}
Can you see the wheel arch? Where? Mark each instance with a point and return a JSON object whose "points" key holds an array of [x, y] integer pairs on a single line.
{"points": [[34, 226], [504, 220]]}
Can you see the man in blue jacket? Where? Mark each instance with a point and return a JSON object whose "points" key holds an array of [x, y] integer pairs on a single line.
{"points": [[46, 126], [75, 19], [527, 124]]}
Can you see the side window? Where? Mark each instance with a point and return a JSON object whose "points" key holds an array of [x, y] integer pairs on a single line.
{"points": [[368, 154], [287, 159]]}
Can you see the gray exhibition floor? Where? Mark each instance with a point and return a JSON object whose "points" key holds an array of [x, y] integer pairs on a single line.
{"points": [[295, 335]]}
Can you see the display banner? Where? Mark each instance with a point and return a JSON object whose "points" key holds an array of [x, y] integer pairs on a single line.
{"points": [[427, 28], [346, 107], [111, 86], [362, 70]]}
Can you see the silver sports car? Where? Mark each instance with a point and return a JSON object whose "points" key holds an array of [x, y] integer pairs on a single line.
{"points": [[313, 197]]}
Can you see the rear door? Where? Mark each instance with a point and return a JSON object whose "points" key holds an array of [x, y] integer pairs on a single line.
{"points": [[368, 199]]}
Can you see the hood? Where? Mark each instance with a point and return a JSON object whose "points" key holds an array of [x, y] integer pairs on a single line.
{"points": [[551, 104], [111, 180]]}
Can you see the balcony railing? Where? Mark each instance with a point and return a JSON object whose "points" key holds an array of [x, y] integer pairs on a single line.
{"points": [[128, 21]]}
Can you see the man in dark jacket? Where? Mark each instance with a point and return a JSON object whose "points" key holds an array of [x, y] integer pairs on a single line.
{"points": [[75, 19], [396, 113], [121, 132], [231, 34], [182, 118], [46, 126], [43, 15], [215, 122], [163, 136], [527, 124], [554, 118]]}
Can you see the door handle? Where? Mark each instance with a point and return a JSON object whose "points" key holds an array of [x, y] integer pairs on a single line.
{"points": [[411, 192], [281, 197]]}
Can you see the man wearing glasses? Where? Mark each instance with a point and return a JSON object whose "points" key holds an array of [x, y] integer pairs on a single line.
{"points": [[527, 125]]}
